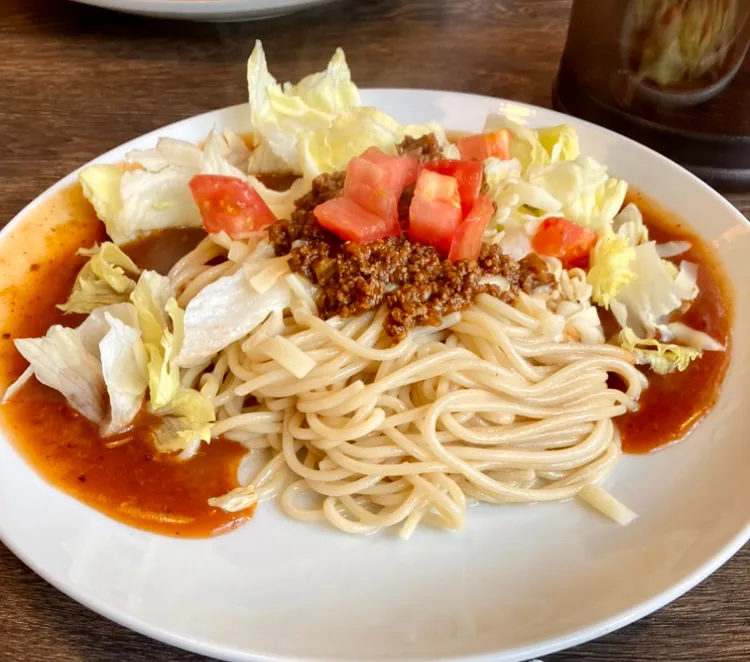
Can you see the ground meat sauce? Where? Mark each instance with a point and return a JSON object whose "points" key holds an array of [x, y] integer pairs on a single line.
{"points": [[302, 225], [416, 283], [424, 149]]}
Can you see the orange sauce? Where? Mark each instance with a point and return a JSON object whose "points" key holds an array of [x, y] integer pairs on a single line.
{"points": [[673, 404], [127, 481]]}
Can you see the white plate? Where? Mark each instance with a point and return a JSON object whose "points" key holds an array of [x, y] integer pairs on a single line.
{"points": [[207, 10], [518, 582]]}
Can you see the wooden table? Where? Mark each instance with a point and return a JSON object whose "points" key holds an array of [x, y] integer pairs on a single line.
{"points": [[76, 81]]}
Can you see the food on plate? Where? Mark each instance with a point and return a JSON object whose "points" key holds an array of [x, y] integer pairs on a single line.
{"points": [[377, 324]]}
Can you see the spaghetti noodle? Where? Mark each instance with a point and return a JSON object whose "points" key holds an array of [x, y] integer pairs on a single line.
{"points": [[486, 407]]}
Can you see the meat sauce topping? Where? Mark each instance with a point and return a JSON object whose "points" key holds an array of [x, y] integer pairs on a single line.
{"points": [[416, 283]]}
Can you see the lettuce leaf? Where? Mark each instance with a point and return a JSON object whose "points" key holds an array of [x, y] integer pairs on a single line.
{"points": [[156, 195], [278, 115], [525, 145], [560, 142], [186, 420], [610, 268], [154, 305], [123, 360], [330, 91], [224, 153], [167, 152], [240, 498], [658, 289], [60, 360], [629, 224], [331, 148], [70, 360], [133, 202], [690, 337], [586, 193], [101, 187], [662, 358], [225, 311], [103, 280], [536, 147]]}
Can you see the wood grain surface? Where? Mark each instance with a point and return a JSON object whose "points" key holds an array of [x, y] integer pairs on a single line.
{"points": [[76, 81]]}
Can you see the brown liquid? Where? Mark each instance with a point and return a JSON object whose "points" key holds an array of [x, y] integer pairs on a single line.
{"points": [[162, 249], [278, 181], [673, 404]]}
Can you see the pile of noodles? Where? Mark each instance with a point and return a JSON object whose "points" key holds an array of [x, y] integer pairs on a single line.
{"points": [[486, 408]]}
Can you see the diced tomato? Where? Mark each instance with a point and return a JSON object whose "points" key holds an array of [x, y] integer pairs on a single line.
{"points": [[229, 204], [352, 222], [467, 242], [435, 210], [468, 174], [407, 166], [376, 180], [563, 239], [484, 145]]}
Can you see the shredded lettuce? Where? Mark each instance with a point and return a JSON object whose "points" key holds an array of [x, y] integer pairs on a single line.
{"points": [[156, 195], [152, 299], [629, 224], [662, 358], [167, 152], [690, 337], [60, 360], [330, 91], [101, 187], [610, 268], [124, 367], [498, 172], [560, 142], [587, 194], [225, 311], [133, 202], [186, 419], [240, 498], [224, 153], [280, 114], [104, 279], [524, 145], [331, 148], [70, 360], [538, 147], [658, 289]]}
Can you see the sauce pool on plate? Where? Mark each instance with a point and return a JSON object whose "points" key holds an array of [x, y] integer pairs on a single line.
{"points": [[673, 404], [122, 477]]}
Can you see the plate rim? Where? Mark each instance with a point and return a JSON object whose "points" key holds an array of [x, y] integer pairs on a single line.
{"points": [[205, 9], [545, 646]]}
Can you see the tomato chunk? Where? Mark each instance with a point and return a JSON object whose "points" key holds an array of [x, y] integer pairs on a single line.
{"points": [[484, 145], [468, 174], [376, 181], [565, 240], [406, 166], [467, 242], [352, 222], [435, 210], [229, 204]]}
